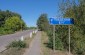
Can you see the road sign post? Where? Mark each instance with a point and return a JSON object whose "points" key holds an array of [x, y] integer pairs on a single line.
{"points": [[61, 21], [69, 39], [54, 38]]}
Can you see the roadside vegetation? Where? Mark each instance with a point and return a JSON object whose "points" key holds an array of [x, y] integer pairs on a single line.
{"points": [[10, 22], [17, 47], [44, 41], [46, 50], [71, 9], [17, 44]]}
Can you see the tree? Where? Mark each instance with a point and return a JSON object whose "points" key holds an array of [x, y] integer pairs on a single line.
{"points": [[43, 23], [5, 15], [76, 11], [13, 23], [10, 22], [69, 8]]}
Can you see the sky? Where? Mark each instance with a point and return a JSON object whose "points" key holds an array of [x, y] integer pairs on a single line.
{"points": [[30, 10]]}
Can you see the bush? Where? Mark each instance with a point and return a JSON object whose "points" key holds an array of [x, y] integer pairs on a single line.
{"points": [[58, 42], [4, 31], [19, 44]]}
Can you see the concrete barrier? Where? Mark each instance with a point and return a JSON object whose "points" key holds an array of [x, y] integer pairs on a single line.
{"points": [[31, 35], [36, 31], [22, 38]]}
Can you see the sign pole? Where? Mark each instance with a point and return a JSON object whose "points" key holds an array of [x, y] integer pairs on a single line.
{"points": [[54, 38], [69, 39], [61, 21]]}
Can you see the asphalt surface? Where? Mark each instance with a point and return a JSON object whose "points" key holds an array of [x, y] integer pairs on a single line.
{"points": [[34, 48], [6, 39]]}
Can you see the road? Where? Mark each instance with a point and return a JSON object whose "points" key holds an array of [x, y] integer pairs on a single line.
{"points": [[6, 39], [34, 48]]}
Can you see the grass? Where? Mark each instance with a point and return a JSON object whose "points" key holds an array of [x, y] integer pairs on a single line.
{"points": [[47, 51], [16, 50]]}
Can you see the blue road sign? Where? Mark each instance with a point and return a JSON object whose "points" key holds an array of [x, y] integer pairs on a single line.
{"points": [[61, 21]]}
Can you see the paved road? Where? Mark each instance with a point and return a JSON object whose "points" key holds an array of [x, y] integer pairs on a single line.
{"points": [[34, 48], [6, 39]]}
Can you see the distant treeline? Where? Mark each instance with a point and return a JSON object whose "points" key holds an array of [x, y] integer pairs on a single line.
{"points": [[68, 8], [10, 22]]}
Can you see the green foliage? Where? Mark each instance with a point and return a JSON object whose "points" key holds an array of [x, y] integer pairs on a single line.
{"points": [[4, 31], [13, 23], [73, 10], [10, 22], [43, 23], [5, 15], [32, 27], [58, 38], [18, 44], [76, 11], [58, 43]]}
